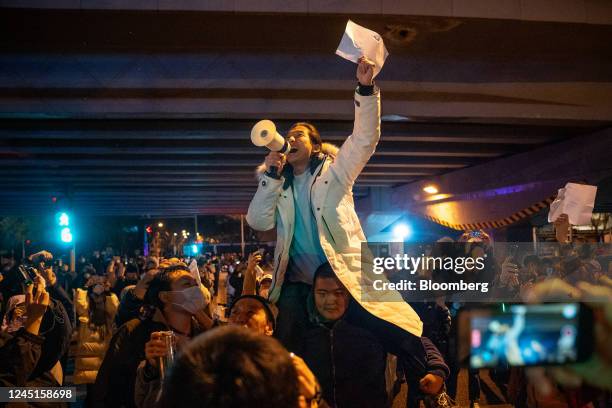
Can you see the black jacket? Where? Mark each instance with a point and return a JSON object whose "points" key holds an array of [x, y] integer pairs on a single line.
{"points": [[348, 356], [58, 293], [349, 363], [114, 385], [129, 307], [21, 364], [116, 378]]}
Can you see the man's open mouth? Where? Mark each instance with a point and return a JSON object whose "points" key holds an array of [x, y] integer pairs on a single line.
{"points": [[293, 150]]}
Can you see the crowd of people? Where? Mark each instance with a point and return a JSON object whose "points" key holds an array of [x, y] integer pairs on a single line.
{"points": [[286, 328], [115, 313]]}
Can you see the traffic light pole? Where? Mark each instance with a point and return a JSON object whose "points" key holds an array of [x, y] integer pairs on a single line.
{"points": [[73, 258]]}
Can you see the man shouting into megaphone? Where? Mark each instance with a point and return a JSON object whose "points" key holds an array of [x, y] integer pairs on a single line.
{"points": [[301, 195], [306, 195]]}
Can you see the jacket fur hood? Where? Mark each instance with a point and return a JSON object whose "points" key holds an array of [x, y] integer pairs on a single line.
{"points": [[328, 149]]}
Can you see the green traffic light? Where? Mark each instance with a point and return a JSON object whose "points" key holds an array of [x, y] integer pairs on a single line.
{"points": [[63, 219], [66, 235]]}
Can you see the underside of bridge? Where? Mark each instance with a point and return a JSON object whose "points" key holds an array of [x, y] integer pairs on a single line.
{"points": [[148, 112]]}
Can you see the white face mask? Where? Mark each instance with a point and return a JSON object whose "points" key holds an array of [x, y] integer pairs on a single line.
{"points": [[191, 299]]}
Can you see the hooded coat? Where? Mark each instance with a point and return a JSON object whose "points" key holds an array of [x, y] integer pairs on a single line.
{"points": [[332, 206], [93, 339]]}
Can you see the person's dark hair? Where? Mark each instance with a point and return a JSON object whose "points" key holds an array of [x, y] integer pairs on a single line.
{"points": [[201, 261], [161, 283], [586, 251], [570, 265], [232, 367], [547, 262], [132, 268], [565, 249], [324, 271], [315, 137], [531, 259], [56, 330], [88, 268], [149, 264], [269, 308]]}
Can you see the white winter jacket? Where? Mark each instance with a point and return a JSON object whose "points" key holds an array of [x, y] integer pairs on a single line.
{"points": [[332, 206]]}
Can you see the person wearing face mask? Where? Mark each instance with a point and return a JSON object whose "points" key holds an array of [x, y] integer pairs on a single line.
{"points": [[249, 311], [96, 307], [263, 374], [180, 306]]}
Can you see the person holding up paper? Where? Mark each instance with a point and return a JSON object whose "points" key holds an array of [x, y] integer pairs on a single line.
{"points": [[308, 201], [358, 42], [572, 206]]}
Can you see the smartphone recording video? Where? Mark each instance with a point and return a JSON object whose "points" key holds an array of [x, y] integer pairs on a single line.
{"points": [[526, 335]]}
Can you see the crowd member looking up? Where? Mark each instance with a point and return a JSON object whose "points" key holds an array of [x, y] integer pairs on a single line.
{"points": [[258, 315], [233, 367], [254, 313], [179, 306]]}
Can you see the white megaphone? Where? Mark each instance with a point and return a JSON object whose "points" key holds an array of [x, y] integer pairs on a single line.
{"points": [[264, 134]]}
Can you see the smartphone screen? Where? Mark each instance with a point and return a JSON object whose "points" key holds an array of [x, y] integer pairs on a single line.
{"points": [[529, 335]]}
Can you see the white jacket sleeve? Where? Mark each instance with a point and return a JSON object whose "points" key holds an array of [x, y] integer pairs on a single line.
{"points": [[262, 210], [359, 147]]}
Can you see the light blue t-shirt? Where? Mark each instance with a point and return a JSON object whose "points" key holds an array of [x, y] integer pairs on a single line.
{"points": [[305, 253]]}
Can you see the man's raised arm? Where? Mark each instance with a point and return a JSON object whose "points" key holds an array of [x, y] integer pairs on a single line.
{"points": [[359, 147]]}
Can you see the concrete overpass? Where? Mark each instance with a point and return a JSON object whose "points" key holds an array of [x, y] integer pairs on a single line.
{"points": [[125, 106]]}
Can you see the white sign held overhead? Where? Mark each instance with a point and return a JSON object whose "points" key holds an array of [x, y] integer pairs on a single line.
{"points": [[193, 268], [358, 41], [575, 200]]}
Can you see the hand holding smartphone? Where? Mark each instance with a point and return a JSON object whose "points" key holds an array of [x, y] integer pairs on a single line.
{"points": [[526, 335]]}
